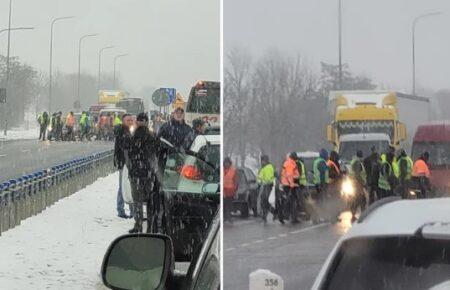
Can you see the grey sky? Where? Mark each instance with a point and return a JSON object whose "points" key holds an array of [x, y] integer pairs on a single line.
{"points": [[376, 35], [172, 43]]}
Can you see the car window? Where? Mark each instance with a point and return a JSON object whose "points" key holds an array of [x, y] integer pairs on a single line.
{"points": [[209, 275], [250, 175], [390, 263]]}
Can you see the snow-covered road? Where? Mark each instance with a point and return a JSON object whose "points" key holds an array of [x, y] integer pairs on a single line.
{"points": [[63, 247]]}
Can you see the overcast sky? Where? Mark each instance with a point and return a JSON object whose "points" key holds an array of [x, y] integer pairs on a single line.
{"points": [[172, 43], [376, 35]]}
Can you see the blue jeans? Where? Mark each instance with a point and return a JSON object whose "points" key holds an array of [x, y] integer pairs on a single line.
{"points": [[120, 202]]}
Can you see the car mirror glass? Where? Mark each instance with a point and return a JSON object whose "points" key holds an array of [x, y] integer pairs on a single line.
{"points": [[210, 188], [137, 262]]}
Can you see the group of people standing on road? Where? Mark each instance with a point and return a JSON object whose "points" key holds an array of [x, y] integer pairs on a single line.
{"points": [[144, 153], [377, 176], [51, 126]]}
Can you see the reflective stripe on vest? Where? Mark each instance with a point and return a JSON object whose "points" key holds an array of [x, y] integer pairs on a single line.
{"points": [[409, 166], [395, 167], [363, 172], [383, 181], [316, 178], [303, 176]]}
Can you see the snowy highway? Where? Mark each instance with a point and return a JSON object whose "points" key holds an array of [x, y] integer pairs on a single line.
{"points": [[25, 156], [295, 252], [63, 247]]}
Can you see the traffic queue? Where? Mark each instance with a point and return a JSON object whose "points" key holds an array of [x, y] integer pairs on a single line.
{"points": [[78, 126], [319, 186]]}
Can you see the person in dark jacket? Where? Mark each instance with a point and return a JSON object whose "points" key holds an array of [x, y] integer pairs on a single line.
{"points": [[176, 130], [372, 167], [43, 120], [143, 171], [122, 138], [198, 126]]}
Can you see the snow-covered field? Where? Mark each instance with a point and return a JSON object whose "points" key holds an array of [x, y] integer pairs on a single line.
{"points": [[63, 247], [20, 134]]}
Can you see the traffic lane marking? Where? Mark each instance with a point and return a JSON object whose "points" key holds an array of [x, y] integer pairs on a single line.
{"points": [[244, 245]]}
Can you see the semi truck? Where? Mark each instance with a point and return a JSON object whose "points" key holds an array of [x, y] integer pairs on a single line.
{"points": [[363, 119]]}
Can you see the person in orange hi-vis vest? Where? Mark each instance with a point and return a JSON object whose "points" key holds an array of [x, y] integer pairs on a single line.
{"points": [[70, 122], [230, 186], [421, 174], [289, 176]]}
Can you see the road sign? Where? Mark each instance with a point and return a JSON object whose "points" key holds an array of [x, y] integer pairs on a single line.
{"points": [[2, 95], [172, 93], [160, 97]]}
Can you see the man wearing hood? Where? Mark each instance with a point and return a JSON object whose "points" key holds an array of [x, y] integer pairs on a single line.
{"points": [[372, 167], [143, 172], [385, 181]]}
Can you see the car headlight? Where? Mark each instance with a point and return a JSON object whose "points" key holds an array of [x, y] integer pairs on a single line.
{"points": [[412, 193], [347, 188]]}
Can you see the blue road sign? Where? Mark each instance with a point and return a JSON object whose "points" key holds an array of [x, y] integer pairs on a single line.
{"points": [[171, 93]]}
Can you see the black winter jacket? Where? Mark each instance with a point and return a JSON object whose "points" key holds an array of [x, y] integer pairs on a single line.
{"points": [[143, 151]]}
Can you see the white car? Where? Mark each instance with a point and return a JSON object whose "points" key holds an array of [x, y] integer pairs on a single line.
{"points": [[396, 244]]}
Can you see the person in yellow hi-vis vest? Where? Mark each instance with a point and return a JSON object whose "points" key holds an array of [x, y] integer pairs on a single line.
{"points": [[405, 165], [266, 179], [359, 176]]}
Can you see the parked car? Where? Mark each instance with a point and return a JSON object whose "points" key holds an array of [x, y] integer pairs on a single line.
{"points": [[146, 261], [247, 193], [396, 244], [191, 190]]}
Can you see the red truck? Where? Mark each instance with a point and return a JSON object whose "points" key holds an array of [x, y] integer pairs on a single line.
{"points": [[434, 137]]}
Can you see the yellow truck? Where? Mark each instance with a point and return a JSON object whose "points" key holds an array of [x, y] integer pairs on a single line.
{"points": [[363, 119], [110, 96]]}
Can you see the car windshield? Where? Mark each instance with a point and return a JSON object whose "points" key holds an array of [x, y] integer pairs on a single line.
{"points": [[347, 149], [390, 263], [189, 174], [439, 152]]}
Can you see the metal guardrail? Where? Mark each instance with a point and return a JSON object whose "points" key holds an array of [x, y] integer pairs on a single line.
{"points": [[30, 194]]}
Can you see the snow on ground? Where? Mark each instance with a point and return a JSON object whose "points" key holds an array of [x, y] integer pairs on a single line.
{"points": [[63, 247], [20, 134]]}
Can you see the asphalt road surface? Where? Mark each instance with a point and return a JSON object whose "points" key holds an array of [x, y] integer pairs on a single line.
{"points": [[295, 252], [25, 156]]}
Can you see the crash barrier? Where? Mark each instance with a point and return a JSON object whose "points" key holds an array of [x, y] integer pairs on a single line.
{"points": [[30, 194]]}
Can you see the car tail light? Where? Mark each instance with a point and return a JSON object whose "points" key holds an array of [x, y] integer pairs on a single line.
{"points": [[191, 172]]}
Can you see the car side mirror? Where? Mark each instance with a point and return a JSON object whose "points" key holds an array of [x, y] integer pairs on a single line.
{"points": [[210, 188], [138, 261]]}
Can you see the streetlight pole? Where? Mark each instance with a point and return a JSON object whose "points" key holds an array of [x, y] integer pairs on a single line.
{"points": [[115, 60], [51, 61], [7, 71], [340, 43], [79, 67], [100, 62], [414, 45]]}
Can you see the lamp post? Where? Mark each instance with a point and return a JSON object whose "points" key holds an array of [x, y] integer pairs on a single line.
{"points": [[51, 61], [340, 43], [79, 68], [100, 63], [414, 45], [115, 61]]}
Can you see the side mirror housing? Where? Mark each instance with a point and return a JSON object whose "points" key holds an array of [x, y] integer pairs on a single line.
{"points": [[138, 261]]}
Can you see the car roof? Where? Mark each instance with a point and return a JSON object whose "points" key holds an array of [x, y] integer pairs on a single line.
{"points": [[436, 131], [201, 140], [364, 137], [402, 217], [112, 110], [308, 154]]}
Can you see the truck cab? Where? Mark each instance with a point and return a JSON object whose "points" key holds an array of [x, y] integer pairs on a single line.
{"points": [[434, 137]]}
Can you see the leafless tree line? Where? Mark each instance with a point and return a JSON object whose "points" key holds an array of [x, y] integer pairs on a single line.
{"points": [[277, 104]]}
